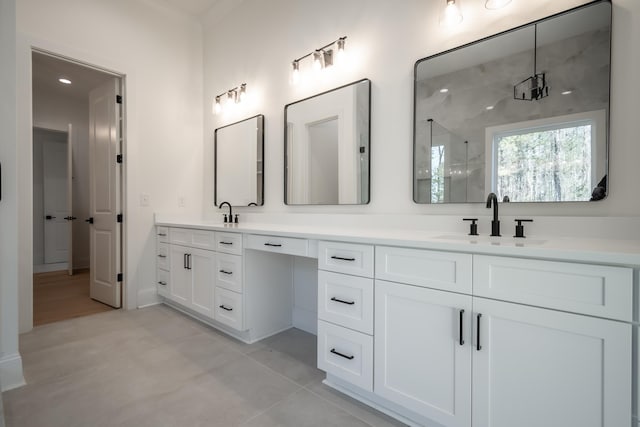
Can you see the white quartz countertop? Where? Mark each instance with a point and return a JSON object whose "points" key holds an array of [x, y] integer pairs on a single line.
{"points": [[603, 251]]}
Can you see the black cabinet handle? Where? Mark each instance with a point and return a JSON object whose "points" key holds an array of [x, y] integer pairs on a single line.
{"points": [[188, 261], [342, 258], [49, 217], [184, 261], [342, 301], [461, 339], [226, 243], [224, 307], [275, 245], [478, 346], [337, 353], [162, 234], [162, 283], [226, 272], [89, 220], [161, 256]]}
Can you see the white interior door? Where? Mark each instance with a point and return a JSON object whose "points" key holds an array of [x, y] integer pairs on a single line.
{"points": [[56, 236], [70, 216], [105, 234]]}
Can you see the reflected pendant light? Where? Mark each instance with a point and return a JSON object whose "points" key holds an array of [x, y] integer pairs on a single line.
{"points": [[535, 87]]}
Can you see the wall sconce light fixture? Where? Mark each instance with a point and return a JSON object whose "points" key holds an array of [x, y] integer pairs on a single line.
{"points": [[451, 15], [322, 58], [234, 96]]}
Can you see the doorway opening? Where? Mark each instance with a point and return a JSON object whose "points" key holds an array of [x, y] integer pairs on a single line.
{"points": [[78, 137]]}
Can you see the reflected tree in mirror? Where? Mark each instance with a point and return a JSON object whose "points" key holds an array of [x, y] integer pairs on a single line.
{"points": [[523, 114], [239, 158], [327, 147]]}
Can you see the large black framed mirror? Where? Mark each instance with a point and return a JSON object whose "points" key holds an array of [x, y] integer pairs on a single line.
{"points": [[523, 114], [327, 147], [239, 163]]}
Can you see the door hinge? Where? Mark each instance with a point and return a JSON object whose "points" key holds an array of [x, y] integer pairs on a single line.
{"points": [[119, 279], [118, 99], [119, 158], [119, 218]]}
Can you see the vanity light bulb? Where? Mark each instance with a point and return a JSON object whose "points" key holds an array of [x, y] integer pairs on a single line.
{"points": [[317, 60], [451, 15], [242, 95], [217, 107], [340, 54], [496, 4], [231, 99], [295, 72]]}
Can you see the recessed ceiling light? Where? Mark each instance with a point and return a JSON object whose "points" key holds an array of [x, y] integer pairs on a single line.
{"points": [[65, 81], [496, 4], [567, 92], [444, 90], [490, 107]]}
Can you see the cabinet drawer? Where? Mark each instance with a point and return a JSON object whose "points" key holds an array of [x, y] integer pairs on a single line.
{"points": [[229, 272], [162, 282], [346, 258], [228, 308], [346, 354], [431, 269], [162, 256], [346, 300], [230, 243], [162, 234], [595, 290], [283, 245], [203, 239]]}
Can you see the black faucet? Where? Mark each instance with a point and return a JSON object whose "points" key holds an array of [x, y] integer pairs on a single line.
{"points": [[495, 224], [230, 215]]}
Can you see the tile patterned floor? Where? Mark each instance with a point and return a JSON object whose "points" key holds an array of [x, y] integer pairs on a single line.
{"points": [[157, 367]]}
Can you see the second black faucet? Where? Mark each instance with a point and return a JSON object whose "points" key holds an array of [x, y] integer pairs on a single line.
{"points": [[495, 223]]}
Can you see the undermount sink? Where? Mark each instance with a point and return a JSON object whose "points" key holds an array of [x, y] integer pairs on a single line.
{"points": [[497, 241]]}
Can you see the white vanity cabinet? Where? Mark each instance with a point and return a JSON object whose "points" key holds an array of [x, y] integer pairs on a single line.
{"points": [[162, 261], [422, 335], [537, 367], [193, 278], [345, 312]]}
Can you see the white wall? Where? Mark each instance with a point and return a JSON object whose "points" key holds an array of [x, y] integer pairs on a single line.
{"points": [[10, 361], [385, 39], [159, 52], [53, 110]]}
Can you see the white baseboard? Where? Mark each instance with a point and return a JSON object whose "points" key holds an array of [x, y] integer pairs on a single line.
{"points": [[11, 372], [147, 297]]}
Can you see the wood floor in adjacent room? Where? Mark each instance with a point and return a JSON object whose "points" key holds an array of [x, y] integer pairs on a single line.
{"points": [[58, 296]]}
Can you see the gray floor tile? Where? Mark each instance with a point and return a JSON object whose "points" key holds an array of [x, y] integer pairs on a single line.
{"points": [[305, 410]]}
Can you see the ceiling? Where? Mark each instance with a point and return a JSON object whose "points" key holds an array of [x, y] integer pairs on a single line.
{"points": [[48, 69], [193, 7]]}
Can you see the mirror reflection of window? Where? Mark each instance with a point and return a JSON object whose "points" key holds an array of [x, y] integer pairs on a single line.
{"points": [[474, 88]]}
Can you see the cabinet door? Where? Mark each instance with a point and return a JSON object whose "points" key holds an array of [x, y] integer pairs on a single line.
{"points": [[538, 367], [202, 265], [423, 356], [180, 283]]}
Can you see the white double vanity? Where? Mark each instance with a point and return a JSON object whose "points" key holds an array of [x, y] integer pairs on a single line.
{"points": [[433, 330]]}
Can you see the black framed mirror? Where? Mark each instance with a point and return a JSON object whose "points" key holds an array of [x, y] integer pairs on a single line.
{"points": [[523, 114], [327, 147], [239, 163]]}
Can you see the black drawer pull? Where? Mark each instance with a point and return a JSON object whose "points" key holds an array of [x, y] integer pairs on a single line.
{"points": [[162, 234], [478, 346], [461, 339], [161, 256], [342, 301], [275, 245], [162, 283], [226, 243], [337, 353], [226, 272], [343, 258], [224, 307]]}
